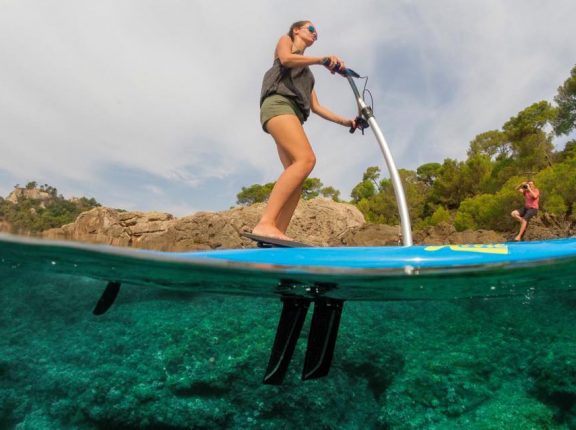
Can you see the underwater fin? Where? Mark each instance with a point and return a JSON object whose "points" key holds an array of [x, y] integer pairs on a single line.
{"points": [[289, 327], [107, 298], [322, 338]]}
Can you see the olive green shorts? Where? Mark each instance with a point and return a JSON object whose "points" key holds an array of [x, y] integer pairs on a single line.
{"points": [[275, 105]]}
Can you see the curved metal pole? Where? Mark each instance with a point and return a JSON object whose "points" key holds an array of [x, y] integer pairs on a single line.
{"points": [[368, 115]]}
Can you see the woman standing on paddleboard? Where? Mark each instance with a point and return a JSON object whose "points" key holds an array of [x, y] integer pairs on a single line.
{"points": [[286, 100]]}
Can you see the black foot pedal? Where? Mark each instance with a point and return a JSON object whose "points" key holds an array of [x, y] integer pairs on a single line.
{"points": [[322, 338], [270, 242], [291, 320], [107, 298]]}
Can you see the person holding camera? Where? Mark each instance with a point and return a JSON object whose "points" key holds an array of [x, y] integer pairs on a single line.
{"points": [[530, 209]]}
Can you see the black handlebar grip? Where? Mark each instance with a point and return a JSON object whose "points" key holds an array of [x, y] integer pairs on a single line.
{"points": [[336, 69]]}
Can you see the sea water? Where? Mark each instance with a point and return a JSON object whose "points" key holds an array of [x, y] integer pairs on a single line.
{"points": [[161, 359]]}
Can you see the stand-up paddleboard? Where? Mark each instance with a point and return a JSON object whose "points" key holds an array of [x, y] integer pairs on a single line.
{"points": [[355, 273], [358, 273]]}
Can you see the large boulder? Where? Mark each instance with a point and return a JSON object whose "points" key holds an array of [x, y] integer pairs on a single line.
{"points": [[369, 235], [319, 220], [113, 227], [549, 226]]}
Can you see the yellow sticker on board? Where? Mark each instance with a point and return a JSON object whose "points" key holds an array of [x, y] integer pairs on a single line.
{"points": [[497, 248]]}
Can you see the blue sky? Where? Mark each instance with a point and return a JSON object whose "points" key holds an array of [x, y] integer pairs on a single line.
{"points": [[153, 105]]}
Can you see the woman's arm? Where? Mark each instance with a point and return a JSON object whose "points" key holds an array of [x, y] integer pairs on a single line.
{"points": [[288, 59], [325, 113]]}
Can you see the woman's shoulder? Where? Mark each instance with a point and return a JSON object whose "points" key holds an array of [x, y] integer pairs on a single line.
{"points": [[284, 42], [286, 38], [284, 45]]}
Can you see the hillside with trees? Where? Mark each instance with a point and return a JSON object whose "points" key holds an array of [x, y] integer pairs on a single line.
{"points": [[34, 208], [480, 191]]}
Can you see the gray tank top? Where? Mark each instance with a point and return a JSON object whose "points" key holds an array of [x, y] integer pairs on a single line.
{"points": [[294, 82]]}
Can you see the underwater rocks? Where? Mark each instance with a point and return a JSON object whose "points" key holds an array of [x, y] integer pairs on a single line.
{"points": [[554, 378]]}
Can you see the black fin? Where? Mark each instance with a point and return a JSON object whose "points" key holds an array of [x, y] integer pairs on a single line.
{"points": [[107, 298], [322, 338], [289, 327], [270, 242]]}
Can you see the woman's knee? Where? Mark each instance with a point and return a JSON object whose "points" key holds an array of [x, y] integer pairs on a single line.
{"points": [[307, 162], [311, 161]]}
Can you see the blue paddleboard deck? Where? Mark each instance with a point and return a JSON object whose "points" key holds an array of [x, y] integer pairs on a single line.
{"points": [[377, 273]]}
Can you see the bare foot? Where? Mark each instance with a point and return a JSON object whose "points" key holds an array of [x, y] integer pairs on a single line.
{"points": [[270, 231]]}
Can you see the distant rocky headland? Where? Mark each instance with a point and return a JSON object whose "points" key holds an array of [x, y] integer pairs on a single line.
{"points": [[320, 222]]}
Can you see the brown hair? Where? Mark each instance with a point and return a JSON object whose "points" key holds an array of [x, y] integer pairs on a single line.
{"points": [[297, 24]]}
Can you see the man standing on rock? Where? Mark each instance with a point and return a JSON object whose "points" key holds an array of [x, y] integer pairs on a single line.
{"points": [[530, 209]]}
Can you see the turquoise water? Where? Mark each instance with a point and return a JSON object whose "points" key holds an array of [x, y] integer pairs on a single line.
{"points": [[162, 359]]}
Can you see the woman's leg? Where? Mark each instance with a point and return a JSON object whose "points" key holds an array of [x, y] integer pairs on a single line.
{"points": [[298, 159], [285, 215]]}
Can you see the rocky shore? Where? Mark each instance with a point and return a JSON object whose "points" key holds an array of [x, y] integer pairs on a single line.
{"points": [[320, 222]]}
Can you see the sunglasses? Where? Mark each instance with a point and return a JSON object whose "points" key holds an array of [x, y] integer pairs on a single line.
{"points": [[312, 30]]}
